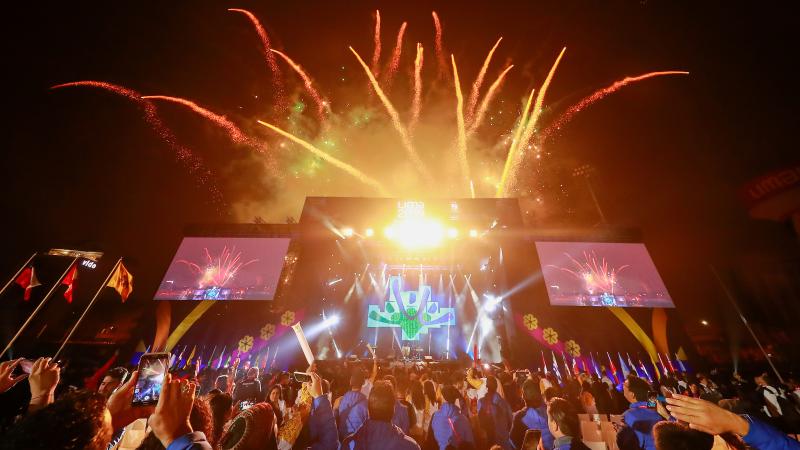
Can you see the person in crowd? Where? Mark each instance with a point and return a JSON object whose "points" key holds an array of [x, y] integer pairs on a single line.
{"points": [[587, 399], [249, 389], [563, 423], [402, 417], [449, 426], [112, 380], [7, 378], [532, 417], [352, 407], [495, 415], [276, 401], [420, 406], [676, 436], [253, 429], [705, 416], [200, 419], [378, 432], [639, 419]]}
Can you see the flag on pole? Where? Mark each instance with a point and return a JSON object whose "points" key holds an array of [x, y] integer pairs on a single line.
{"points": [[575, 369], [644, 369], [544, 363], [69, 281], [555, 366], [623, 367], [221, 356], [189, 358], [669, 361], [680, 363], [567, 370], [655, 367], [27, 280], [613, 369], [664, 367], [633, 366], [594, 366], [121, 281]]}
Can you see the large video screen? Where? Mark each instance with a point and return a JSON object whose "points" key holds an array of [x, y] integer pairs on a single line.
{"points": [[224, 268], [601, 274]]}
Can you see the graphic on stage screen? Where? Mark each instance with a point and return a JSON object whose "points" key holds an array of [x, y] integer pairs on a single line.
{"points": [[414, 312], [601, 274], [224, 268]]}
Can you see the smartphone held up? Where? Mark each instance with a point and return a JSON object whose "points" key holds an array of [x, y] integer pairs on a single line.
{"points": [[153, 367]]}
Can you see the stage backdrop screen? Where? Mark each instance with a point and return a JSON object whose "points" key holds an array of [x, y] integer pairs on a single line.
{"points": [[224, 268], [601, 274]]}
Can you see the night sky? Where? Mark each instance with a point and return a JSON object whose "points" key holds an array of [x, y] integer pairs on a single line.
{"points": [[81, 169]]}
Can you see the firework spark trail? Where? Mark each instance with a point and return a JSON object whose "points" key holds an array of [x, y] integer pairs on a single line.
{"points": [[516, 157], [517, 134], [217, 272], [476, 86], [235, 134], [439, 47], [277, 82], [322, 105], [404, 137], [567, 116], [416, 102], [184, 155], [487, 99], [339, 164], [593, 274], [462, 134], [391, 70], [376, 55]]}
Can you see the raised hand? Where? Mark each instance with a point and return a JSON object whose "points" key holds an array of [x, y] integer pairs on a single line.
{"points": [[706, 416], [43, 380], [171, 417], [7, 381], [120, 404]]}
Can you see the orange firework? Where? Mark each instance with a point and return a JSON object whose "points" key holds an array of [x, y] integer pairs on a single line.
{"points": [[462, 134], [416, 102], [277, 83], [186, 156], [487, 99], [391, 70], [439, 46], [563, 119], [476, 86], [376, 54], [223, 122], [322, 104], [398, 125]]}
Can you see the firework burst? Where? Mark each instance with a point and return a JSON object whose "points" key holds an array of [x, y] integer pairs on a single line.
{"points": [[597, 276], [217, 271]]}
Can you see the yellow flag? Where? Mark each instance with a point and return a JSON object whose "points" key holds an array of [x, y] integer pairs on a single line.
{"points": [[122, 281]]}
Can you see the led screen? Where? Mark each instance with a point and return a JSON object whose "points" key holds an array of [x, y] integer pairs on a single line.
{"points": [[224, 268], [601, 274]]}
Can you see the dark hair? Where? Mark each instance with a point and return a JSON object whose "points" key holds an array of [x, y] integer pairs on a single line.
{"points": [[561, 412], [532, 394], [200, 418], [117, 373], [356, 379], [275, 387], [429, 388], [392, 380], [551, 393], [450, 393], [381, 401], [491, 384], [220, 403], [76, 421], [417, 394], [675, 436], [639, 388]]}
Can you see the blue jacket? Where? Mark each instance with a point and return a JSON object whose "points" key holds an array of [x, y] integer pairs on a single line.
{"points": [[640, 419], [352, 413], [496, 419], [376, 434], [763, 437], [401, 417], [531, 419], [321, 426], [446, 420], [562, 443], [192, 441]]}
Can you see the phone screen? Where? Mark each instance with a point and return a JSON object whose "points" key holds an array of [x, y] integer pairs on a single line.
{"points": [[152, 369], [652, 397], [531, 440], [302, 377], [24, 366]]}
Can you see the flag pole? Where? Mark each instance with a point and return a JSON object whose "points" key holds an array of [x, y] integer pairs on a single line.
{"points": [[2, 291], [39, 306], [88, 307], [730, 298]]}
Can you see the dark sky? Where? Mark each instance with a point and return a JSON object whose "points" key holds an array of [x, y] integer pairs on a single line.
{"points": [[81, 169]]}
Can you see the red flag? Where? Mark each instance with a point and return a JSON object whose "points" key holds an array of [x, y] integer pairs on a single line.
{"points": [[69, 280], [27, 280]]}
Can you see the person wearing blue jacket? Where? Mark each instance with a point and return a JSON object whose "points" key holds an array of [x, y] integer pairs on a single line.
{"points": [[449, 426], [352, 412], [639, 419], [705, 416], [378, 432], [495, 416], [532, 417], [564, 426]]}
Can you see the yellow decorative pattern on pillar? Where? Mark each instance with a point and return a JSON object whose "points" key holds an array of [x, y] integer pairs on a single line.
{"points": [[635, 330]]}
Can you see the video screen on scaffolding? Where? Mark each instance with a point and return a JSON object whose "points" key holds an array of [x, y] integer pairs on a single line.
{"points": [[224, 268], [601, 274]]}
